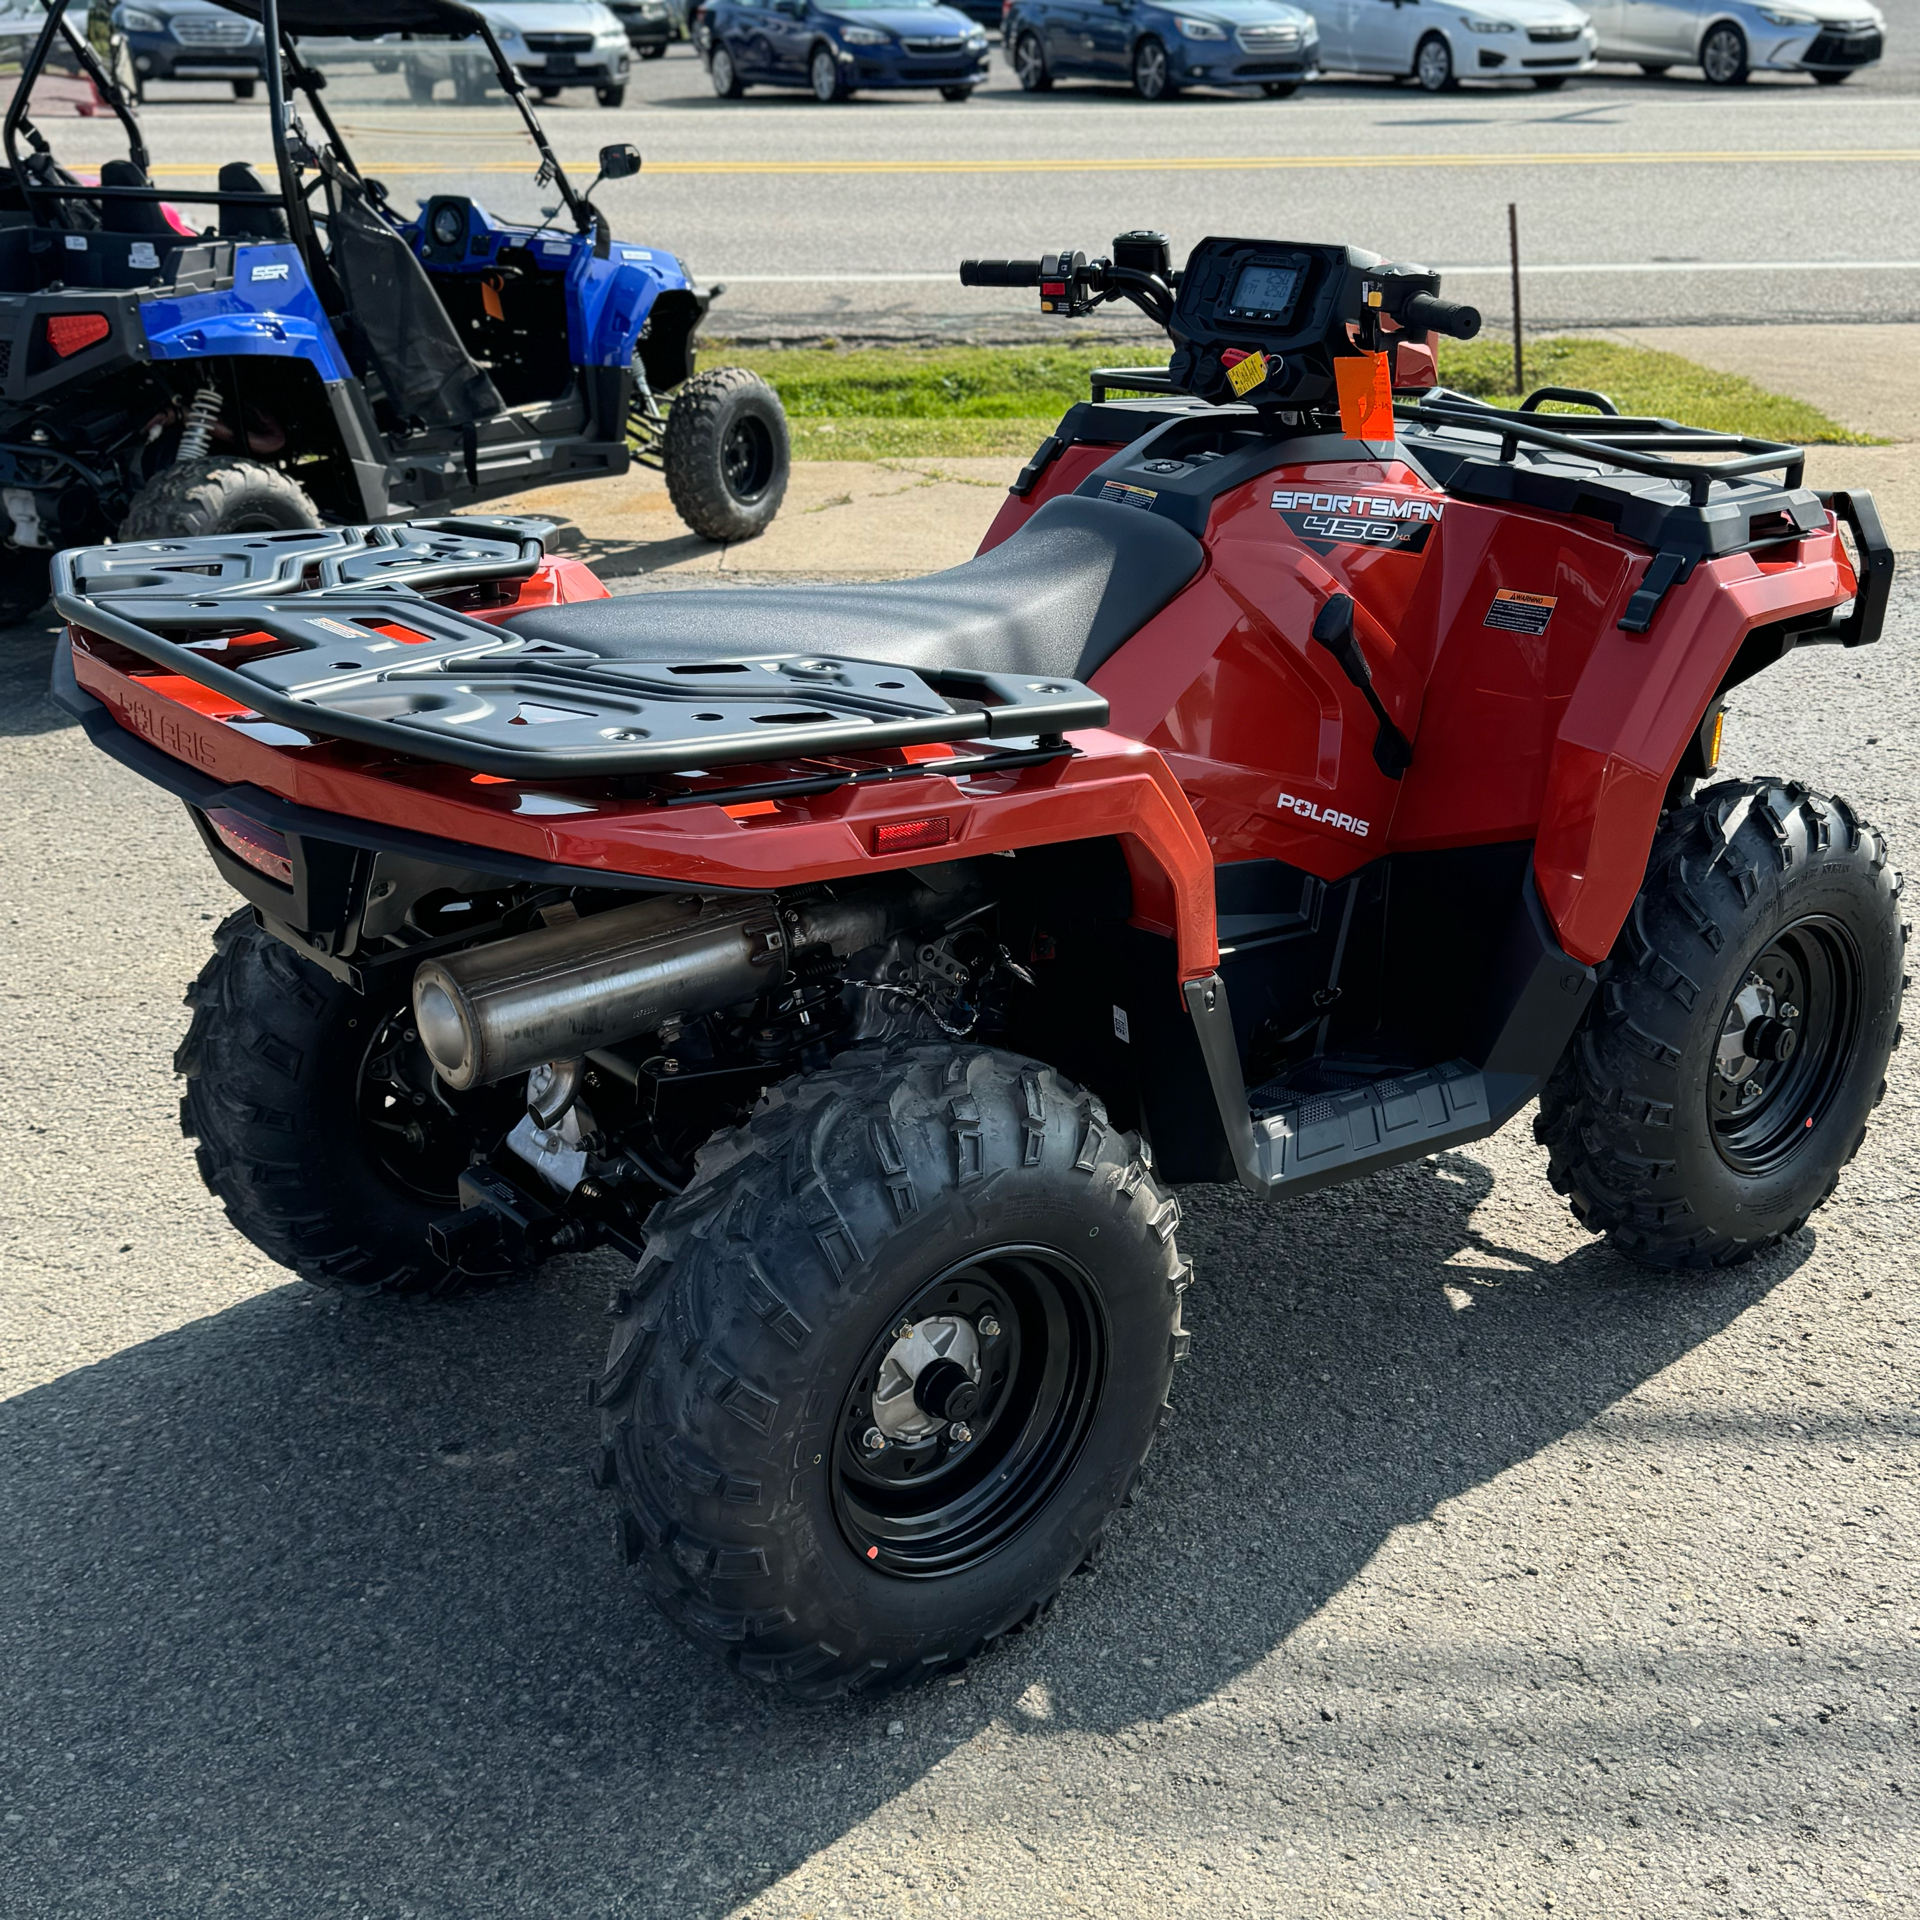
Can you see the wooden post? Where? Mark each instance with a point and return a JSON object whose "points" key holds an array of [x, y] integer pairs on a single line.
{"points": [[1513, 257]]}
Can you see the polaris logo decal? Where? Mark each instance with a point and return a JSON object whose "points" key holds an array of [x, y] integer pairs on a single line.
{"points": [[1323, 816], [273, 270], [1327, 520]]}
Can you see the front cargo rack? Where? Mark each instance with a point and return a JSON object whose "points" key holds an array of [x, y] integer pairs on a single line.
{"points": [[295, 632]]}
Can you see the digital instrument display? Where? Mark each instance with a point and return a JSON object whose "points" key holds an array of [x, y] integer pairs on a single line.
{"points": [[1265, 292]]}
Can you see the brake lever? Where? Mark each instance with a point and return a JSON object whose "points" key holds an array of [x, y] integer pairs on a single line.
{"points": [[1333, 629]]}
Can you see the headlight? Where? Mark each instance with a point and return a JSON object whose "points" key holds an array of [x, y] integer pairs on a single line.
{"points": [[865, 37], [134, 21], [1779, 17], [1199, 29], [448, 227], [1485, 26], [976, 39]]}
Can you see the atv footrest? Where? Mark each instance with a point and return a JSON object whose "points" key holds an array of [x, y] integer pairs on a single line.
{"points": [[1304, 1139]]}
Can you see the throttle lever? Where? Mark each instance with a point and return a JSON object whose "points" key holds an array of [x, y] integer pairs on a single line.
{"points": [[1333, 629]]}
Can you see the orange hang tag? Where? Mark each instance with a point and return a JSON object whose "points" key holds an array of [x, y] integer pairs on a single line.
{"points": [[1366, 396]]}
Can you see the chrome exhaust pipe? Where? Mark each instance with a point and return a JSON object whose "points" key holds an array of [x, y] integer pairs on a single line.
{"points": [[491, 1012]]}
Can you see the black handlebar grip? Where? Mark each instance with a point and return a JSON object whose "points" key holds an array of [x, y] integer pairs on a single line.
{"points": [[1442, 316], [999, 273]]}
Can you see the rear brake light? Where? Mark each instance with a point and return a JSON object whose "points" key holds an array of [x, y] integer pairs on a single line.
{"points": [[67, 333], [247, 840], [900, 836]]}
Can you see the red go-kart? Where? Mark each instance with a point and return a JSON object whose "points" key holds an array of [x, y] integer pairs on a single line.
{"points": [[1300, 780]]}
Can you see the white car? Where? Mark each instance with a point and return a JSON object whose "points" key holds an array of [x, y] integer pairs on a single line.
{"points": [[552, 44], [1728, 39], [1545, 41]]}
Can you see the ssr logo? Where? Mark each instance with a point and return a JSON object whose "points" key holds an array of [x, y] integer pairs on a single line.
{"points": [[1322, 816], [1402, 522], [273, 270]]}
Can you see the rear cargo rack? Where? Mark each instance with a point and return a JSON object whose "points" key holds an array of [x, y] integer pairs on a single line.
{"points": [[328, 633]]}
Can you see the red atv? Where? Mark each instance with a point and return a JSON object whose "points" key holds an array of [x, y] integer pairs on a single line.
{"points": [[1298, 782]]}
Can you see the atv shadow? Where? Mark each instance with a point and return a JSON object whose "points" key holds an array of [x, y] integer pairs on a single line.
{"points": [[309, 1609], [26, 658]]}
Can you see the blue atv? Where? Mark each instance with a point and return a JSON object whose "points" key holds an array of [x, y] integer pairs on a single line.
{"points": [[315, 356]]}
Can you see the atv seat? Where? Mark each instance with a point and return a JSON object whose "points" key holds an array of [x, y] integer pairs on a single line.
{"points": [[265, 222], [1057, 599]]}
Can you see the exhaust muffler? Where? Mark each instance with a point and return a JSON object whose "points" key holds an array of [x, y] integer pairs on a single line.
{"points": [[491, 1012]]}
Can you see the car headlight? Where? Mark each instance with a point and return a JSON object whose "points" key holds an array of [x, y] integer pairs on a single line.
{"points": [[865, 37], [134, 21], [1199, 29], [976, 39], [1485, 26], [1779, 17]]}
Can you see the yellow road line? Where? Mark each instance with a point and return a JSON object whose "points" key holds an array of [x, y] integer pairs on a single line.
{"points": [[1224, 163]]}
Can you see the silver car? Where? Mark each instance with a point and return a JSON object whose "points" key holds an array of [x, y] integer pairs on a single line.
{"points": [[1438, 45], [1729, 39]]}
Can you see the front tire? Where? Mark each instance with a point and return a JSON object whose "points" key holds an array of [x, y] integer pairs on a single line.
{"points": [[723, 73], [1152, 71], [243, 89], [823, 74], [1549, 82], [726, 454], [1726, 1071], [1030, 65], [1279, 89], [1723, 55], [1433, 66], [318, 1127], [419, 87], [611, 96], [217, 496], [949, 1201], [1831, 76], [956, 94]]}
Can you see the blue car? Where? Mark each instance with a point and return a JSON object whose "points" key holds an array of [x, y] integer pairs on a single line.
{"points": [[1162, 48], [836, 49], [192, 40]]}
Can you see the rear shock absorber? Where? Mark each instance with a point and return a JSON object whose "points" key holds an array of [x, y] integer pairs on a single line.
{"points": [[202, 417]]}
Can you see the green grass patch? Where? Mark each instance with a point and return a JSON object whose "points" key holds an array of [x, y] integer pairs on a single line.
{"points": [[876, 403]]}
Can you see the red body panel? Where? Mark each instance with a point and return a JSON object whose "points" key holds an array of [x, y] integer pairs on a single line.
{"points": [[1062, 476]]}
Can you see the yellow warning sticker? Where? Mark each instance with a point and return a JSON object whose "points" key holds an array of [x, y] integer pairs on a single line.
{"points": [[1521, 612], [1244, 375]]}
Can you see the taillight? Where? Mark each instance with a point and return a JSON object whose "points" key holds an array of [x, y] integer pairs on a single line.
{"points": [[898, 836], [260, 847], [67, 333]]}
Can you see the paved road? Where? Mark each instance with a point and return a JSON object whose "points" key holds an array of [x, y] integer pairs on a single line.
{"points": [[1478, 1574], [1640, 201]]}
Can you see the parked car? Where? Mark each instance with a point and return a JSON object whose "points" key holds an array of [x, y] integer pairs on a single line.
{"points": [[1439, 45], [192, 40], [1729, 39], [553, 45], [1160, 47], [61, 84], [650, 26], [838, 48]]}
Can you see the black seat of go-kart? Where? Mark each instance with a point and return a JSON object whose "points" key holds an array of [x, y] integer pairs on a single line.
{"points": [[1057, 598]]}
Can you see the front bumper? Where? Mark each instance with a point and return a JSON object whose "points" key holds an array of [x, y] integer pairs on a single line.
{"points": [[1212, 63], [1522, 55], [158, 56], [888, 68], [596, 69], [1816, 49]]}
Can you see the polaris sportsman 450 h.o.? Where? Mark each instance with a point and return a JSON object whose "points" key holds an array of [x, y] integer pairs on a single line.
{"points": [[1298, 782], [318, 356]]}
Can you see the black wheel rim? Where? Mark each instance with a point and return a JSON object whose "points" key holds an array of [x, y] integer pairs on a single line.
{"points": [[1801, 999], [418, 1133], [746, 458], [937, 1504]]}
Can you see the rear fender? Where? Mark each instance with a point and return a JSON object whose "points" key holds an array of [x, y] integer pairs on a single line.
{"points": [[271, 311], [1641, 699]]}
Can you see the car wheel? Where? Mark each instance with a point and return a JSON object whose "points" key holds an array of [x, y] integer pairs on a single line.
{"points": [[722, 72], [419, 87], [1152, 73], [1723, 55], [1279, 89], [546, 93], [1831, 76], [654, 53], [956, 93], [1030, 64], [1653, 69], [1433, 66], [611, 96], [243, 89], [824, 72], [1549, 82]]}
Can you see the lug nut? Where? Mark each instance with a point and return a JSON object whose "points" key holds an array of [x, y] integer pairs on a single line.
{"points": [[1751, 1091], [904, 1331], [989, 1327], [874, 1440], [959, 1433], [1789, 1011]]}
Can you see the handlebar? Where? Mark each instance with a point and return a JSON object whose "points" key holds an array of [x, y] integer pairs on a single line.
{"points": [[1450, 317], [999, 273]]}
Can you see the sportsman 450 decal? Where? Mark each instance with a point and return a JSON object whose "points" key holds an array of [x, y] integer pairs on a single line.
{"points": [[1327, 520]]}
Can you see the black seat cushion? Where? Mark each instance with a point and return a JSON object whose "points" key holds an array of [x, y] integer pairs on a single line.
{"points": [[132, 216], [265, 222], [1056, 599]]}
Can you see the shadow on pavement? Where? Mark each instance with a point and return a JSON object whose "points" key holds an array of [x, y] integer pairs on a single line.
{"points": [[26, 657], [308, 1608]]}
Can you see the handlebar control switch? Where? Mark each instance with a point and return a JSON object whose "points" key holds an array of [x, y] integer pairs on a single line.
{"points": [[1065, 284]]}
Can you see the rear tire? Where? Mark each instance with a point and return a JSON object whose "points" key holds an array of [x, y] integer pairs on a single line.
{"points": [[25, 581], [300, 1093], [980, 1197], [1030, 65], [1723, 55], [1725, 1072], [217, 496], [726, 454], [723, 73], [1653, 69]]}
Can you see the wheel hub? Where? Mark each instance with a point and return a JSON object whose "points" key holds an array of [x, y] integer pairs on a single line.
{"points": [[929, 1378]]}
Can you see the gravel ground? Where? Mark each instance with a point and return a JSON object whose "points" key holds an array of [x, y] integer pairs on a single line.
{"points": [[1478, 1574]]}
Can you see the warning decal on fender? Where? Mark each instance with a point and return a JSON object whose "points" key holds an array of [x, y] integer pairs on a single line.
{"points": [[1521, 612], [1123, 495]]}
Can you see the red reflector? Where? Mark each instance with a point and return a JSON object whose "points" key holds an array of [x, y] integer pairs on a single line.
{"points": [[260, 847], [897, 836], [751, 809], [933, 750], [69, 332]]}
